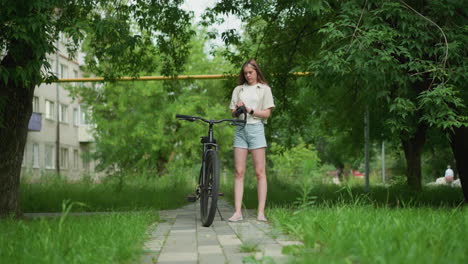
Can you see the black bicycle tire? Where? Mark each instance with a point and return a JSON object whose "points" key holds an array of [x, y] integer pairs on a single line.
{"points": [[209, 199]]}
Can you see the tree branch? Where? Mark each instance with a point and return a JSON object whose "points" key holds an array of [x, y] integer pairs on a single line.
{"points": [[442, 31], [357, 26]]}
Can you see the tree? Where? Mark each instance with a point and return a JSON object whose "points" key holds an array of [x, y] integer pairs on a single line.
{"points": [[404, 66], [136, 129], [390, 57], [117, 32]]}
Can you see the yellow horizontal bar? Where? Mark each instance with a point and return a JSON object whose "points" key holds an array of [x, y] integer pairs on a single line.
{"points": [[160, 78]]}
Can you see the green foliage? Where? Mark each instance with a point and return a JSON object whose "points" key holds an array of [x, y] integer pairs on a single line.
{"points": [[376, 55], [297, 164], [136, 129], [136, 126], [445, 115], [117, 36], [109, 238], [403, 109]]}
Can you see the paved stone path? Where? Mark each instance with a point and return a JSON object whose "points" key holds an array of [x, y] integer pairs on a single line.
{"points": [[181, 239]]}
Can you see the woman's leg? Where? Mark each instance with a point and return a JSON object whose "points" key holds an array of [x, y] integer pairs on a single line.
{"points": [[240, 157], [258, 156]]}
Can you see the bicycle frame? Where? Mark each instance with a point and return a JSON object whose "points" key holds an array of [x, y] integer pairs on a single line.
{"points": [[207, 146], [208, 181]]}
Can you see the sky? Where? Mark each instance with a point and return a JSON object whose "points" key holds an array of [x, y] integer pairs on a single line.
{"points": [[198, 6]]}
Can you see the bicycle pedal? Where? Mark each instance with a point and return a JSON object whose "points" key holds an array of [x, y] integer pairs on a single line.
{"points": [[191, 198], [221, 194]]}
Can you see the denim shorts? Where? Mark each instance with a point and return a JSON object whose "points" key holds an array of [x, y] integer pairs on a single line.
{"points": [[252, 136]]}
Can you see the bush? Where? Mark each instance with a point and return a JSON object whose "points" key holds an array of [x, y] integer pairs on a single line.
{"points": [[297, 164]]}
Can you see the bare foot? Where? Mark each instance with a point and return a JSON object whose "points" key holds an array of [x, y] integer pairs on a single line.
{"points": [[235, 217], [261, 218]]}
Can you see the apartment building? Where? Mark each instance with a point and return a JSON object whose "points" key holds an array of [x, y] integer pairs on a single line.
{"points": [[59, 133]]}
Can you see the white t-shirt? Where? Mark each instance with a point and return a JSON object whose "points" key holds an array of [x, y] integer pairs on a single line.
{"points": [[449, 173], [257, 97]]}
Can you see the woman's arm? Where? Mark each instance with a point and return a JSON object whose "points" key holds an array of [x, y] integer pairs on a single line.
{"points": [[257, 113], [265, 113]]}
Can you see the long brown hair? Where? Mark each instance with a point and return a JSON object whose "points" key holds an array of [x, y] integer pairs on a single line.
{"points": [[252, 63]]}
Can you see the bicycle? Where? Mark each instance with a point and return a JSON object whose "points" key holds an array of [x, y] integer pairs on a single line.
{"points": [[208, 181]]}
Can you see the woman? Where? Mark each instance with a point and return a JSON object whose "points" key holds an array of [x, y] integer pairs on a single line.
{"points": [[254, 93]]}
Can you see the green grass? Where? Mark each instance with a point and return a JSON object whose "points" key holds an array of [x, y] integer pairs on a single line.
{"points": [[249, 247], [136, 193], [104, 238], [338, 224], [282, 193], [364, 234], [344, 224], [109, 238]]}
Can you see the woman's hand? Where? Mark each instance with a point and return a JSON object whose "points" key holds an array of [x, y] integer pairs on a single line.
{"points": [[239, 104]]}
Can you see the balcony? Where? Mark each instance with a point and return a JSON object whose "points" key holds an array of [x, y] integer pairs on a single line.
{"points": [[35, 122], [85, 133]]}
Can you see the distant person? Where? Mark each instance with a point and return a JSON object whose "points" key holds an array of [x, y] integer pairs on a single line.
{"points": [[448, 175]]}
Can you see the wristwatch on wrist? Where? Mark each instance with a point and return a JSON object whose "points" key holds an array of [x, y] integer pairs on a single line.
{"points": [[251, 111]]}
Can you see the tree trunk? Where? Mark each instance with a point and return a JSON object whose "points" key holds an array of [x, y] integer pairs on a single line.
{"points": [[459, 144], [15, 112], [413, 146]]}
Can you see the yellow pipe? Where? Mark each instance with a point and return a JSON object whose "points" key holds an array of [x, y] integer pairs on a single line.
{"points": [[160, 78]]}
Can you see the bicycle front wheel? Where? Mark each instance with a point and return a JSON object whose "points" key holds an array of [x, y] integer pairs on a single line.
{"points": [[209, 188]]}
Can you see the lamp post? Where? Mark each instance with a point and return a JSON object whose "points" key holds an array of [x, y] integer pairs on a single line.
{"points": [[57, 94], [366, 146], [383, 161]]}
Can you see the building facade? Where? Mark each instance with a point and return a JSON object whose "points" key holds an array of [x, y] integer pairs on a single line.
{"points": [[59, 132]]}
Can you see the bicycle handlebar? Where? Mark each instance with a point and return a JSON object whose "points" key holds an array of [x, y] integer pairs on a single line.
{"points": [[194, 118]]}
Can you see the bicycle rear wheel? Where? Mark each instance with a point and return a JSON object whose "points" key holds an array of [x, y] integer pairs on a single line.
{"points": [[209, 188]]}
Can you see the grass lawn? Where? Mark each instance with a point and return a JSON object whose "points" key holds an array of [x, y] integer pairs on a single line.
{"points": [[109, 238], [338, 224], [344, 224], [282, 193], [136, 193], [365, 234], [115, 237]]}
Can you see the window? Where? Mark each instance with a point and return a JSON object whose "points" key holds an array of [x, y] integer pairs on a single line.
{"points": [[76, 116], [83, 115], [35, 104], [52, 68], [49, 157], [76, 159], [75, 75], [63, 71], [50, 109], [86, 160], [23, 162], [63, 158], [62, 37], [35, 155], [63, 114]]}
